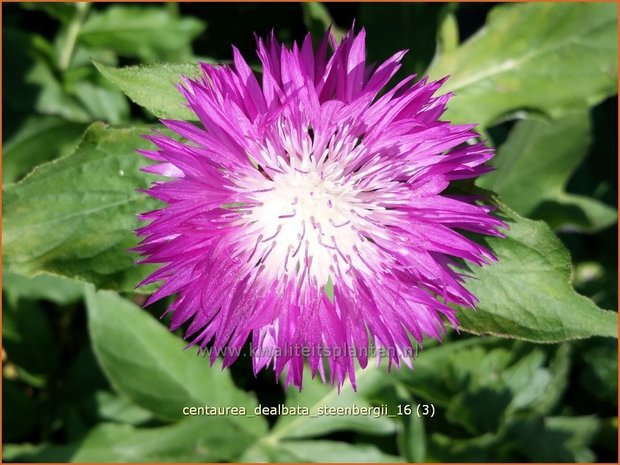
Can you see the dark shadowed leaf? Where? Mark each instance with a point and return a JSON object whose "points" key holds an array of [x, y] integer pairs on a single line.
{"points": [[575, 213], [534, 165], [600, 375], [556, 439], [29, 342]]}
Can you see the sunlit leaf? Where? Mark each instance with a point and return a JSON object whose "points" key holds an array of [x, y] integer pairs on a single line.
{"points": [[75, 216], [154, 87], [544, 58], [145, 354], [527, 293]]}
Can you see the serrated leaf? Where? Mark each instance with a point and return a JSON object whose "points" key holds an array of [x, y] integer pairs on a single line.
{"points": [[147, 363], [536, 57], [534, 166], [527, 293], [149, 33], [154, 87], [75, 216]]}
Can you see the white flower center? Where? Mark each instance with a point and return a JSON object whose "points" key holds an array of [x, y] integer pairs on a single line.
{"points": [[310, 223]]}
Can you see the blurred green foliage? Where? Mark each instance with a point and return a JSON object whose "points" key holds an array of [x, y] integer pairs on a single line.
{"points": [[89, 376]]}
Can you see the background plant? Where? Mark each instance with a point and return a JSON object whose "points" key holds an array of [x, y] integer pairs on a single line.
{"points": [[89, 376]]}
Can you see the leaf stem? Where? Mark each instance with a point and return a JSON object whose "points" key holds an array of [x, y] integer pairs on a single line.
{"points": [[64, 60]]}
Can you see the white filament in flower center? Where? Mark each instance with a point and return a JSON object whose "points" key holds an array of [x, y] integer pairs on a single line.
{"points": [[308, 221]]}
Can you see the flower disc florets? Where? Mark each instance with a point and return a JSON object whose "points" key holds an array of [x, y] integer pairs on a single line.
{"points": [[308, 181]]}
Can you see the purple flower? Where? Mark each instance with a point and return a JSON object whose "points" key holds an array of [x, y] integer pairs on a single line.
{"points": [[313, 175]]}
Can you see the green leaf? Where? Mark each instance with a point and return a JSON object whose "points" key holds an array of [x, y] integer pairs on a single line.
{"points": [[138, 353], [411, 437], [576, 213], [537, 159], [190, 440], [52, 98], [484, 448], [448, 32], [559, 369], [535, 57], [289, 429], [481, 396], [534, 166], [75, 216], [316, 395], [528, 380], [39, 139], [556, 439], [154, 87], [101, 102], [467, 378], [119, 409], [320, 451], [149, 33], [36, 453], [527, 293], [59, 290], [36, 85], [600, 374]]}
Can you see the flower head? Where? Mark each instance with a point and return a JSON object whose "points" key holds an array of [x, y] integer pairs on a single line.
{"points": [[312, 177]]}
